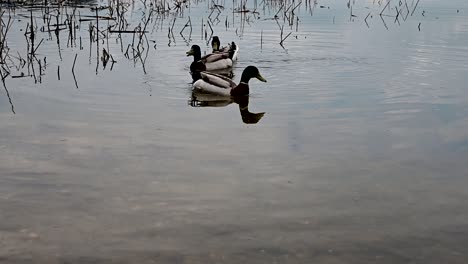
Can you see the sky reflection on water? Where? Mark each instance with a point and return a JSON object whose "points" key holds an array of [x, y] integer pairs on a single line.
{"points": [[359, 158]]}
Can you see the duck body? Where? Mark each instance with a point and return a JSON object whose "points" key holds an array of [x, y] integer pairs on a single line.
{"points": [[216, 61], [214, 84], [211, 83]]}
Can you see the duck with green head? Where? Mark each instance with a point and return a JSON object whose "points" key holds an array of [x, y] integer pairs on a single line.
{"points": [[211, 62], [216, 45], [232, 49], [222, 86]]}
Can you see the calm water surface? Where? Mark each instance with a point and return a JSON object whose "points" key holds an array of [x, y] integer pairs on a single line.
{"points": [[361, 156]]}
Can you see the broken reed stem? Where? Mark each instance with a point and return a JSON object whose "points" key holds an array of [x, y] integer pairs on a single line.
{"points": [[383, 9], [414, 9], [73, 71], [365, 19], [281, 36], [397, 15], [186, 25], [297, 24], [281, 43], [40, 70], [383, 20], [34, 52], [6, 90], [212, 32], [173, 23], [97, 41], [74, 61], [32, 33], [261, 40], [97, 26]]}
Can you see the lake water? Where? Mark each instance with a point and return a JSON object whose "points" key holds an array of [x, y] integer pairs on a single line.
{"points": [[361, 156]]}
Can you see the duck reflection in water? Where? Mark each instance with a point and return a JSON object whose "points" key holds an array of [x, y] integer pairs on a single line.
{"points": [[207, 100]]}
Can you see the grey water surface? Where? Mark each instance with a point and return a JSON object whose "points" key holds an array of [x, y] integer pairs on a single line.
{"points": [[361, 156]]}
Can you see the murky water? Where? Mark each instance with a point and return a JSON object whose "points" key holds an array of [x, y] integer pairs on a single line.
{"points": [[361, 156]]}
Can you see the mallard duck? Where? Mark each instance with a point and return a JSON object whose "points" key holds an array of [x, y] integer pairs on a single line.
{"points": [[210, 62], [222, 86], [216, 45], [233, 48]]}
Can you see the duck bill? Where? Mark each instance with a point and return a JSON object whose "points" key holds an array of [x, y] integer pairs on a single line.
{"points": [[261, 78], [190, 52]]}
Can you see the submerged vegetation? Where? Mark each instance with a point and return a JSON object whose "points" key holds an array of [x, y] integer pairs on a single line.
{"points": [[93, 24]]}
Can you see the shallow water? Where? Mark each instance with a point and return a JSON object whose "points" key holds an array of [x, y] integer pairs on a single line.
{"points": [[359, 158]]}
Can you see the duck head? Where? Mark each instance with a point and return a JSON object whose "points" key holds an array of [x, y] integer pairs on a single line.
{"points": [[194, 51], [215, 43], [251, 72], [242, 88]]}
